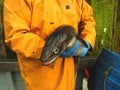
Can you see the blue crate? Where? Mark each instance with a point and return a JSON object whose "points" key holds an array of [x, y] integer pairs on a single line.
{"points": [[106, 72]]}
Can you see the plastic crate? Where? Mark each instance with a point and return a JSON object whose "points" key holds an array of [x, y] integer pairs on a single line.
{"points": [[106, 72]]}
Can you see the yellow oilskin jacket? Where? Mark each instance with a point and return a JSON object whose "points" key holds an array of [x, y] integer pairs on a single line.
{"points": [[28, 22]]}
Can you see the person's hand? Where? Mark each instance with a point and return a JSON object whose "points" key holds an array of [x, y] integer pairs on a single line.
{"points": [[68, 52], [85, 50]]}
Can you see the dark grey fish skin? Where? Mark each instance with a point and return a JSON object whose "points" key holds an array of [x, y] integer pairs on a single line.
{"points": [[62, 38]]}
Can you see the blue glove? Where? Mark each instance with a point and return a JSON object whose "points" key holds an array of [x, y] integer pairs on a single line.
{"points": [[68, 52], [85, 50]]}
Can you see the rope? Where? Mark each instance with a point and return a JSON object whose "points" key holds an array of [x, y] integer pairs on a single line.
{"points": [[106, 73]]}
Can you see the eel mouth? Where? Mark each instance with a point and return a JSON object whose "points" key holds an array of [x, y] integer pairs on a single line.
{"points": [[50, 61]]}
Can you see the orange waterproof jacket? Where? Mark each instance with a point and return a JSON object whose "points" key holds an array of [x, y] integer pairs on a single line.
{"points": [[28, 22]]}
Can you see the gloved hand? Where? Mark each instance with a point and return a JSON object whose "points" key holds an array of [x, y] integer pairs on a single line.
{"points": [[85, 50], [68, 52]]}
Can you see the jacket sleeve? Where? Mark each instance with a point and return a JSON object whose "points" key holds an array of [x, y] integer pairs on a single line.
{"points": [[17, 21], [88, 23]]}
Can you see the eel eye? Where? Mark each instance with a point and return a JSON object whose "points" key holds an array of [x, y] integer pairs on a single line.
{"points": [[56, 50]]}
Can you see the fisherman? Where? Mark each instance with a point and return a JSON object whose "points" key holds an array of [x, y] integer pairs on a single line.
{"points": [[28, 22]]}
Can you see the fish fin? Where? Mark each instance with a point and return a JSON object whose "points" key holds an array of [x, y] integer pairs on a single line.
{"points": [[64, 46], [72, 42]]}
